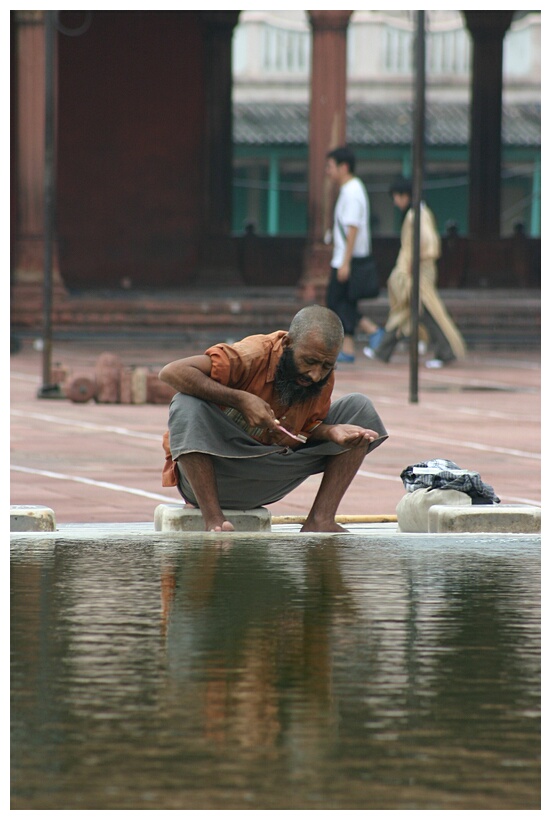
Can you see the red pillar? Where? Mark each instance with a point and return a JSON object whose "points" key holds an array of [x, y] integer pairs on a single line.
{"points": [[327, 131], [28, 88]]}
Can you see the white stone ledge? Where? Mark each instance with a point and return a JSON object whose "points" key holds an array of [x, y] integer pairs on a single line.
{"points": [[179, 518], [31, 518], [484, 518]]}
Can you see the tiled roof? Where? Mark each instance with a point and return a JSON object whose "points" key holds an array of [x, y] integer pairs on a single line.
{"points": [[446, 124]]}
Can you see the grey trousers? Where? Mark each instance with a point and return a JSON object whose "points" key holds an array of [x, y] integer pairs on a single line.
{"points": [[250, 474]]}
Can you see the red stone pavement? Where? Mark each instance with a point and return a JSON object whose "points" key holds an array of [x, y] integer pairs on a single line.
{"points": [[101, 463]]}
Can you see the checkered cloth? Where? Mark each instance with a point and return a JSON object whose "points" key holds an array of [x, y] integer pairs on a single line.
{"points": [[440, 474]]}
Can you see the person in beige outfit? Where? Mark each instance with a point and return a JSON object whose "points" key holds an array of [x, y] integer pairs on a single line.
{"points": [[444, 337]]}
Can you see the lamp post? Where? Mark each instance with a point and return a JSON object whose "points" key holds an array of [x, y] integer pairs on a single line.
{"points": [[417, 188], [47, 389]]}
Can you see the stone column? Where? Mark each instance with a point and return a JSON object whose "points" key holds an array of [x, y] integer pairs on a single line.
{"points": [[218, 91], [327, 131], [28, 87], [217, 265], [487, 29]]}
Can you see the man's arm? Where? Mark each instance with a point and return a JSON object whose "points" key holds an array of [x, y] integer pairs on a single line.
{"points": [[343, 272], [343, 434], [192, 376]]}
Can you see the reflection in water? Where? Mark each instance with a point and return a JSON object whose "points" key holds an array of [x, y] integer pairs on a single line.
{"points": [[303, 673], [253, 640]]}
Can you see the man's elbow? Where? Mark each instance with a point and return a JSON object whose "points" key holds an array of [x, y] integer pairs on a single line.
{"points": [[167, 375]]}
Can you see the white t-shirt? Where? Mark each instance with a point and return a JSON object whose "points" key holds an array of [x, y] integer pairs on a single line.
{"points": [[352, 208]]}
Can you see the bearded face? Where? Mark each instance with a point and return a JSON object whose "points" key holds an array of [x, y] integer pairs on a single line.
{"points": [[287, 385]]}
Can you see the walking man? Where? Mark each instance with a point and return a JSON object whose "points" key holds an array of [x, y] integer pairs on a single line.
{"points": [[351, 238]]}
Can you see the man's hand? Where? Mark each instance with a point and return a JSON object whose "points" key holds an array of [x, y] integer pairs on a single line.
{"points": [[256, 411], [350, 435], [343, 273]]}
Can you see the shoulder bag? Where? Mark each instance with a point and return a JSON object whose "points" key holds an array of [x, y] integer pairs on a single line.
{"points": [[363, 282]]}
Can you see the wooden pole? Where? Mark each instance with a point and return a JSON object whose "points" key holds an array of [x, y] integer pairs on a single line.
{"points": [[340, 519]]}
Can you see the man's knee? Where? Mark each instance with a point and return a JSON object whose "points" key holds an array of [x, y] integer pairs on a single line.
{"points": [[357, 401], [348, 407], [355, 408]]}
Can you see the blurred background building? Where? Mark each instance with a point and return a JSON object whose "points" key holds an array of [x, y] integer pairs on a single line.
{"points": [[190, 147], [271, 70]]}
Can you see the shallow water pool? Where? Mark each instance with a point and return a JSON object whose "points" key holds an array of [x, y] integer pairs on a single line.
{"points": [[276, 673]]}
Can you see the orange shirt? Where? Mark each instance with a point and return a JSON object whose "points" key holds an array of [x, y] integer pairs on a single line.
{"points": [[250, 365]]}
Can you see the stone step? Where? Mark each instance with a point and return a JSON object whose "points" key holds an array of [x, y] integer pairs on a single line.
{"points": [[486, 318]]}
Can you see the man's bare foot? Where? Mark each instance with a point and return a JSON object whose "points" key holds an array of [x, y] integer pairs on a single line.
{"points": [[322, 526], [225, 526]]}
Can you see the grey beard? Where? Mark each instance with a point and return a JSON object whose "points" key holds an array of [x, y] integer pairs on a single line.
{"points": [[288, 391], [290, 394]]}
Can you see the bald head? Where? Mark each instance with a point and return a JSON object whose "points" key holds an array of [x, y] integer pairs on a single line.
{"points": [[318, 320]]}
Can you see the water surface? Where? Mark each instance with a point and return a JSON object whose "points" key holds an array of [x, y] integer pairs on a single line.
{"points": [[263, 673]]}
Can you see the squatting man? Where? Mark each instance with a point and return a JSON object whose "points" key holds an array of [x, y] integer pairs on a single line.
{"points": [[252, 420]]}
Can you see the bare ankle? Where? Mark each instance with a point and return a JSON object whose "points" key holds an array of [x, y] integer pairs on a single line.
{"points": [[324, 523]]}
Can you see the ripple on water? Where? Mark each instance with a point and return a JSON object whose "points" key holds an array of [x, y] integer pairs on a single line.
{"points": [[283, 673]]}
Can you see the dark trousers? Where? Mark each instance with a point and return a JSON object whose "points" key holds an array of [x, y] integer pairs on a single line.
{"points": [[336, 299], [440, 345]]}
